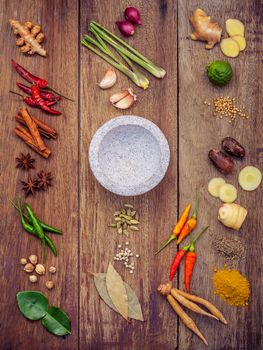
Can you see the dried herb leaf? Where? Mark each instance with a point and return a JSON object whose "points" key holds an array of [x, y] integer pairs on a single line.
{"points": [[117, 291], [134, 307]]}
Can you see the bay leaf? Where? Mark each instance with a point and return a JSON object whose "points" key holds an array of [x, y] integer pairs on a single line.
{"points": [[100, 284], [134, 307], [117, 291]]}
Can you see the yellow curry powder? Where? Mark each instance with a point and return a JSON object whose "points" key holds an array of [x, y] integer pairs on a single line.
{"points": [[231, 286]]}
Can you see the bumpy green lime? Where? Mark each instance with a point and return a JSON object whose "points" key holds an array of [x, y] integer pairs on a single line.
{"points": [[219, 72]]}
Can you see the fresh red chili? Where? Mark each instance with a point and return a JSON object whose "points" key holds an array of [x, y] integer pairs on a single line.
{"points": [[28, 76], [36, 96], [177, 259], [181, 253], [189, 266], [48, 96]]}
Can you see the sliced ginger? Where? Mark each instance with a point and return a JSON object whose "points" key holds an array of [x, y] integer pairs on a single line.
{"points": [[230, 47], [205, 29], [30, 37], [228, 193], [250, 178], [214, 186], [241, 41], [234, 27]]}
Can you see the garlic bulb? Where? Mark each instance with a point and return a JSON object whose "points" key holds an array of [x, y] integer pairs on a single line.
{"points": [[108, 80]]}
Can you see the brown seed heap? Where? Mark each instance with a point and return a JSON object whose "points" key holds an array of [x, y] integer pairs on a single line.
{"points": [[225, 107], [126, 219]]}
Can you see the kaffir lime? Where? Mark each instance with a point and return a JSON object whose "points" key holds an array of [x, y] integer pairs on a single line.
{"points": [[219, 72]]}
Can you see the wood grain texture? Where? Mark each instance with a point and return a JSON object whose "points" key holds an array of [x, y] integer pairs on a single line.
{"points": [[100, 328], [59, 205], [83, 209], [199, 132]]}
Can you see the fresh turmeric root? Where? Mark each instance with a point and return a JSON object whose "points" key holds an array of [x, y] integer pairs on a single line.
{"points": [[30, 37], [205, 29]]}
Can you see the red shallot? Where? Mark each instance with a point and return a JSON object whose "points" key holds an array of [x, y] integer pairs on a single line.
{"points": [[126, 28], [132, 15]]}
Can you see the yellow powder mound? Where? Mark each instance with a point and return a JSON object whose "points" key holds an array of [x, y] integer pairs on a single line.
{"points": [[231, 286]]}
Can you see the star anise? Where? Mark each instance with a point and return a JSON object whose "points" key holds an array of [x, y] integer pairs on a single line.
{"points": [[25, 162], [44, 180], [30, 185]]}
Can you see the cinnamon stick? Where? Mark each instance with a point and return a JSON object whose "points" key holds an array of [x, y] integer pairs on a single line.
{"points": [[45, 130], [24, 135], [33, 129]]}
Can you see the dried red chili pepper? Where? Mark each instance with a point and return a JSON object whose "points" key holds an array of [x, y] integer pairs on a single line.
{"points": [[36, 96], [31, 102], [28, 76], [48, 96]]}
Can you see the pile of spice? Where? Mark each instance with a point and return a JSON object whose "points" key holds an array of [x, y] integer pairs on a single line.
{"points": [[125, 256], [225, 107], [32, 265], [231, 286], [231, 249], [126, 220]]}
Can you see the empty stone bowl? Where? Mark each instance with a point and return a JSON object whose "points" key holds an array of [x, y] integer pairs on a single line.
{"points": [[129, 155]]}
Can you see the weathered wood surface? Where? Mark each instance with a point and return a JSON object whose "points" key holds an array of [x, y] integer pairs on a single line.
{"points": [[79, 205]]}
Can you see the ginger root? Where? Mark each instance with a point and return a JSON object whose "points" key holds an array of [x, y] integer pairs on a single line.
{"points": [[234, 27], [205, 29], [30, 37]]}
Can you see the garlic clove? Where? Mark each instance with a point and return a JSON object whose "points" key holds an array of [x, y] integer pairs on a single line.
{"points": [[118, 96], [125, 103], [108, 80], [123, 99]]}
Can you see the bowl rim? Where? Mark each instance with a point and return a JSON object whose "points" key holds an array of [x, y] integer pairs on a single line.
{"points": [[125, 120]]}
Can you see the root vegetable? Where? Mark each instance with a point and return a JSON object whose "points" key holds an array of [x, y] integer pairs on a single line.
{"points": [[230, 47], [234, 27], [241, 41], [228, 193], [189, 323], [214, 186], [204, 302], [232, 215], [205, 29], [221, 161], [30, 37], [233, 147], [190, 305], [250, 178]]}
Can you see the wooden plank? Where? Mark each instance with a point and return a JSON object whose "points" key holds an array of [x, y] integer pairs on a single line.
{"points": [[59, 205], [199, 131], [100, 327]]}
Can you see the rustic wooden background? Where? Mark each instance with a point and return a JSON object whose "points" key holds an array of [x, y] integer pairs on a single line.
{"points": [[82, 208]]}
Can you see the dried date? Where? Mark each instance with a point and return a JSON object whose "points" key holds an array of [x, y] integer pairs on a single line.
{"points": [[233, 147]]}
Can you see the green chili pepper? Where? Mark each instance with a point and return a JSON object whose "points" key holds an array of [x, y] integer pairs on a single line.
{"points": [[45, 226], [51, 245], [38, 229]]}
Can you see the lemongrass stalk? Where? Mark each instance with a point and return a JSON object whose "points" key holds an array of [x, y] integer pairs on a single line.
{"points": [[118, 66], [142, 78], [133, 54]]}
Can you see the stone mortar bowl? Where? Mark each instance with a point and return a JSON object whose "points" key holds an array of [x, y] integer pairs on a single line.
{"points": [[129, 155]]}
